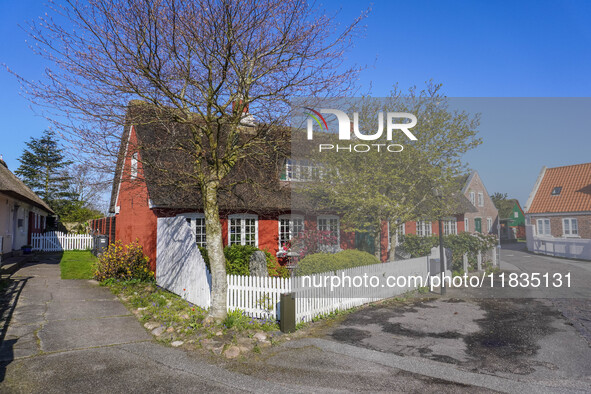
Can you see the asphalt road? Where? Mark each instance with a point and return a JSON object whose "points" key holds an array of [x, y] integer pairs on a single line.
{"points": [[522, 334]]}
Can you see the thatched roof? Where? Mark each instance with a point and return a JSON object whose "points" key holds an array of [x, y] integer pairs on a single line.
{"points": [[14, 187], [167, 153]]}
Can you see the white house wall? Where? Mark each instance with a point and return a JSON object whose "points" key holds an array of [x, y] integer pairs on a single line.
{"points": [[11, 239], [180, 267]]}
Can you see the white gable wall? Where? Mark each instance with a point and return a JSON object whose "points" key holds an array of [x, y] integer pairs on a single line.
{"points": [[181, 269]]}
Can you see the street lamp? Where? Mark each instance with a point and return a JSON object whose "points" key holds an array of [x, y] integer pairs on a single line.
{"points": [[439, 195]]}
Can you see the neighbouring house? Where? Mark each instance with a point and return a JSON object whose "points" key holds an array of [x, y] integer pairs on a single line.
{"points": [[22, 212], [474, 212], [150, 185], [512, 221], [558, 212]]}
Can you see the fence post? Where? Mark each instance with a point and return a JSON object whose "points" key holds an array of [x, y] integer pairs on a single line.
{"points": [[465, 260], [494, 256], [479, 260]]}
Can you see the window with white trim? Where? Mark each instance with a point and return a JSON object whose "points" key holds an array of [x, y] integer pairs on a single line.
{"points": [[424, 228], [331, 224], [197, 223], [480, 199], [570, 227], [515, 214], [400, 231], [473, 198], [134, 165], [290, 226], [300, 170], [243, 229], [543, 227], [488, 224], [466, 224], [450, 227]]}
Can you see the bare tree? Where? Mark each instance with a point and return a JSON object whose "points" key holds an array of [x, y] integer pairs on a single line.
{"points": [[196, 57]]}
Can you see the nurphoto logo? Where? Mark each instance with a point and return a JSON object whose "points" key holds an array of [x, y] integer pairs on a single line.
{"points": [[345, 125]]}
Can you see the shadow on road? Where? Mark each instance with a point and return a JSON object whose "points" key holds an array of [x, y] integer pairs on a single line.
{"points": [[10, 292]]}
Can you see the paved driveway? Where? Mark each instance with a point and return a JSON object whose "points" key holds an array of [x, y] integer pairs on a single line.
{"points": [[75, 336]]}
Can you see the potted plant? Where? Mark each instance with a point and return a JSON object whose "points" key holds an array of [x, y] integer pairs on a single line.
{"points": [[27, 249]]}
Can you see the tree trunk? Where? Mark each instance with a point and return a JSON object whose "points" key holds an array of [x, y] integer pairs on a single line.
{"points": [[377, 242], [392, 251], [215, 250]]}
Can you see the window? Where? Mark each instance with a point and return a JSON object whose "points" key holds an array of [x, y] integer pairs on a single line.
{"points": [[570, 227], [516, 214], [200, 237], [480, 199], [543, 226], [330, 224], [300, 170], [134, 160], [400, 231], [473, 198], [197, 223], [466, 224], [423, 228], [488, 224], [243, 230], [290, 227], [450, 226], [556, 191]]}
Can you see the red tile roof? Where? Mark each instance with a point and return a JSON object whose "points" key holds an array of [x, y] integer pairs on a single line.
{"points": [[575, 195]]}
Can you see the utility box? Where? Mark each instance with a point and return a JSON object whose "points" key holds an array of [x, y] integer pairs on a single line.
{"points": [[287, 313], [101, 243]]}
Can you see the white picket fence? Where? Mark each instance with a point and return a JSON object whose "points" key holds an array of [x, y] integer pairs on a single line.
{"points": [[259, 296], [58, 241]]}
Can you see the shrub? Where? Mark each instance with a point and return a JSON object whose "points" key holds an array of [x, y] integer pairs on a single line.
{"points": [[238, 259], [123, 262], [325, 262], [417, 246]]}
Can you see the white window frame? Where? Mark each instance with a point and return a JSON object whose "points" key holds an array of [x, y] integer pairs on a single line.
{"points": [[330, 217], [489, 224], [242, 217], [544, 225], [450, 226], [400, 232], [466, 224], [291, 226], [473, 198], [133, 166], [424, 225], [480, 199], [573, 231], [516, 214], [192, 217]]}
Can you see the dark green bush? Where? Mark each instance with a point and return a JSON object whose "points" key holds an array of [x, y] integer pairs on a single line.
{"points": [[238, 258], [327, 262]]}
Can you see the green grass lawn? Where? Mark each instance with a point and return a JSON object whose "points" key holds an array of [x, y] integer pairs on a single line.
{"points": [[77, 264]]}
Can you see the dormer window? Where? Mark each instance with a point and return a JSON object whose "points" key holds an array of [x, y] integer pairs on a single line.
{"points": [[556, 191]]}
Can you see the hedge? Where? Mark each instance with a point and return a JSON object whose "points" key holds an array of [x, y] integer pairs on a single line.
{"points": [[325, 262], [238, 258]]}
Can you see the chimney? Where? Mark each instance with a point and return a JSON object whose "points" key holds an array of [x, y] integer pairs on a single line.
{"points": [[235, 106]]}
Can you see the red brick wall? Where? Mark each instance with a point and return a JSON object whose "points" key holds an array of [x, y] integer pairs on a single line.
{"points": [[135, 219]]}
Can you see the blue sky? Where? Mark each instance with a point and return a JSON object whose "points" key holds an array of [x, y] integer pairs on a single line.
{"points": [[474, 48]]}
